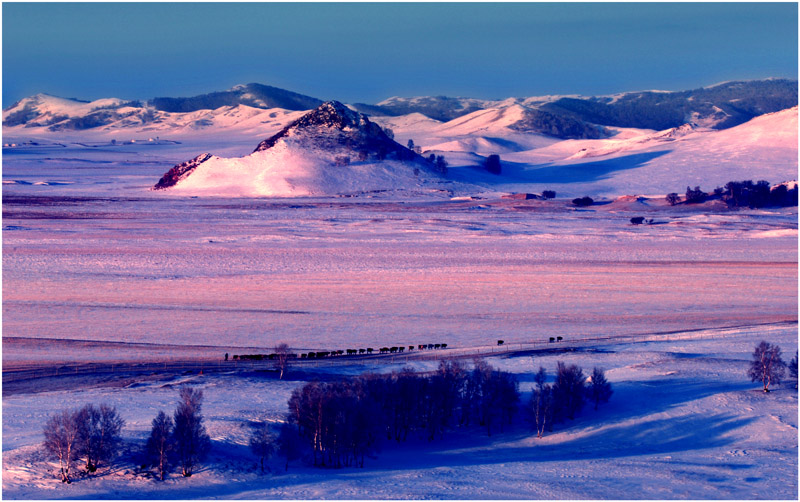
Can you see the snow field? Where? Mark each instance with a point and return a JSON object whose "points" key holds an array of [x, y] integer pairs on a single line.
{"points": [[90, 255], [684, 422], [254, 273]]}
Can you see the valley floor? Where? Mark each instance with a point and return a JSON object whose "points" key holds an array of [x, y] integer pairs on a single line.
{"points": [[684, 422], [98, 270]]}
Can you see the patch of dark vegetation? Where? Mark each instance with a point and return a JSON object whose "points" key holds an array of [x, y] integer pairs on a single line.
{"points": [[565, 398], [583, 201], [339, 423], [492, 164], [742, 194], [441, 108], [557, 126]]}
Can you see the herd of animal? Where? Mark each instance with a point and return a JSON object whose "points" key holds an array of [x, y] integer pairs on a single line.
{"points": [[340, 352]]}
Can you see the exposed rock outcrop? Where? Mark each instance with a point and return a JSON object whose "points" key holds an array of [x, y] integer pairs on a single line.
{"points": [[179, 172]]}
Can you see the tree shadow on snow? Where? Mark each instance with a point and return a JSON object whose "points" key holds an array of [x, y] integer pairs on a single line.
{"points": [[584, 172], [620, 428], [648, 437]]}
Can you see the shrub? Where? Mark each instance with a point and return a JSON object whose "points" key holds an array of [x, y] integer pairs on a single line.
{"points": [[583, 201], [695, 196], [492, 164]]}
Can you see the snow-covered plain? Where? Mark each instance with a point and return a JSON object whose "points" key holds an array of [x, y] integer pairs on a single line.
{"points": [[91, 255], [684, 422]]}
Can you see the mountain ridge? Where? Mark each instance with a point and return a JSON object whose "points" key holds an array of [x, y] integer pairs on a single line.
{"points": [[719, 106]]}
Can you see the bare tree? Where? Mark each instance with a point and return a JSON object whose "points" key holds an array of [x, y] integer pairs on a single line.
{"points": [[767, 365], [262, 444], [160, 443], [283, 355], [99, 434], [290, 444], [599, 388], [190, 436], [541, 402], [61, 440], [793, 369], [568, 391], [492, 395]]}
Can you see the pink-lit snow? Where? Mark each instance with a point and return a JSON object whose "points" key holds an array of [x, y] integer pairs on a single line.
{"points": [[95, 263]]}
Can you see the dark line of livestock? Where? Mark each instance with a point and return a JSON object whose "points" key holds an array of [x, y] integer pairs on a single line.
{"points": [[336, 353]]}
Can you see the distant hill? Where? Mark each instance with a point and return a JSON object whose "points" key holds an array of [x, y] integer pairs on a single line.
{"points": [[566, 117], [720, 107], [255, 95], [440, 108], [329, 150]]}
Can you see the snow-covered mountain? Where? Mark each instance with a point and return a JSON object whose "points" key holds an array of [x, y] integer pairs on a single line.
{"points": [[719, 106], [330, 150], [42, 114], [252, 95], [43, 110], [563, 116], [544, 142]]}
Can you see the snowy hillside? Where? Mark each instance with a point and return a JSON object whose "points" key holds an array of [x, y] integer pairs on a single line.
{"points": [[45, 110], [544, 143], [647, 162], [330, 150], [43, 114]]}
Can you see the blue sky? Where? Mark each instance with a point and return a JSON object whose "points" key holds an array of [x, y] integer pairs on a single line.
{"points": [[368, 52]]}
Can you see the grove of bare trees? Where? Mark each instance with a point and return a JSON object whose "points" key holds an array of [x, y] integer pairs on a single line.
{"points": [[92, 433], [341, 421]]}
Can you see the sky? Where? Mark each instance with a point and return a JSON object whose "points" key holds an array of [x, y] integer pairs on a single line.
{"points": [[366, 52]]}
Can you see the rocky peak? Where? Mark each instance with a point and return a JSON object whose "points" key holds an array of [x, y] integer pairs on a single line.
{"points": [[331, 117], [332, 114]]}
